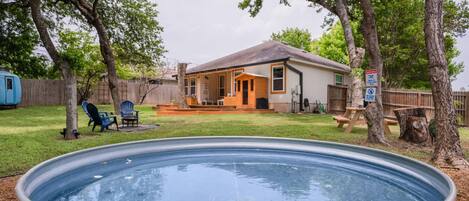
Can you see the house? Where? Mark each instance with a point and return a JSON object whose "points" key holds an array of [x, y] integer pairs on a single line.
{"points": [[270, 75]]}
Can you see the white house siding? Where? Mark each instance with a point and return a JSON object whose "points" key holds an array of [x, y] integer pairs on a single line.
{"points": [[316, 80]]}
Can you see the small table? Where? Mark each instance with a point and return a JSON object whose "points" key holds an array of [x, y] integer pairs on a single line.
{"points": [[220, 102], [130, 120], [351, 117]]}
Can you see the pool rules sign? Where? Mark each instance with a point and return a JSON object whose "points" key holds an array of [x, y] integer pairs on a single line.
{"points": [[371, 80]]}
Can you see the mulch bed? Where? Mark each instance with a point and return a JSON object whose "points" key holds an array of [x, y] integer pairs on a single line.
{"points": [[7, 188], [460, 177]]}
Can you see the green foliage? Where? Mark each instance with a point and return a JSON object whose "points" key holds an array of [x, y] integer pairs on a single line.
{"points": [[255, 6], [18, 39], [133, 27], [332, 44], [299, 38], [84, 56]]}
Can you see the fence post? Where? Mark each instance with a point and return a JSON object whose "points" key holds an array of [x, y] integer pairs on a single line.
{"points": [[466, 109]]}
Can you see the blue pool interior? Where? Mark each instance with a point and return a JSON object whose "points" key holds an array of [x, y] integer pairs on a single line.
{"points": [[226, 174]]}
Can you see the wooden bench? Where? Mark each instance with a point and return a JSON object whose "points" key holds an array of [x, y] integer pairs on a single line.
{"points": [[341, 120]]}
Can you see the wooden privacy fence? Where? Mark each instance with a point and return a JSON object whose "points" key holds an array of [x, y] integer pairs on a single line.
{"points": [[51, 92], [394, 99]]}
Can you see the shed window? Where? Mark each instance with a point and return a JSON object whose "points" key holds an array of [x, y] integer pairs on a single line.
{"points": [[234, 74], [9, 84], [221, 85], [278, 78], [252, 85], [239, 85], [339, 79], [192, 86]]}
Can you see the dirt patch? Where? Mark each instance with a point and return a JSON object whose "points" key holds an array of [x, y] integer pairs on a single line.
{"points": [[7, 188], [461, 179]]}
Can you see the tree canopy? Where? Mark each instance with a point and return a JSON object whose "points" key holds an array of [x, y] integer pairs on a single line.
{"points": [[295, 37], [18, 40]]}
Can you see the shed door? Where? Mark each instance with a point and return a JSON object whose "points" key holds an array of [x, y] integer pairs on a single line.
{"points": [[245, 92], [9, 96]]}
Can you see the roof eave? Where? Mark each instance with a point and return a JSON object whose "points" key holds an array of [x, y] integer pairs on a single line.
{"points": [[337, 69], [240, 66]]}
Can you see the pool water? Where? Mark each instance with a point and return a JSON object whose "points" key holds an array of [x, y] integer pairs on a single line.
{"points": [[236, 175]]}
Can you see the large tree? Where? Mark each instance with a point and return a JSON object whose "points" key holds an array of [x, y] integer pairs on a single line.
{"points": [[129, 25], [374, 111], [18, 39], [402, 41], [62, 63], [448, 148]]}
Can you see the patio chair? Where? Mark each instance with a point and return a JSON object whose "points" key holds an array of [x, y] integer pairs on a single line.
{"points": [[128, 114], [101, 119], [83, 105]]}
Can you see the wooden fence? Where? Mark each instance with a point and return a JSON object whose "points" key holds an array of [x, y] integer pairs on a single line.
{"points": [[51, 92], [393, 99]]}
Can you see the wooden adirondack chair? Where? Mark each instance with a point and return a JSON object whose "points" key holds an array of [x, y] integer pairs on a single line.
{"points": [[101, 119], [83, 105], [128, 114]]}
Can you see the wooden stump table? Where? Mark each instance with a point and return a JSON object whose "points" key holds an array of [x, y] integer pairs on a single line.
{"points": [[413, 125]]}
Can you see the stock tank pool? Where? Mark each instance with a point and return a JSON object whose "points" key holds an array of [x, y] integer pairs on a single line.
{"points": [[233, 169]]}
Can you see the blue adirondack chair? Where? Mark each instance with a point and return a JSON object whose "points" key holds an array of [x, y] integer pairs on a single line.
{"points": [[83, 105], [128, 114], [101, 119]]}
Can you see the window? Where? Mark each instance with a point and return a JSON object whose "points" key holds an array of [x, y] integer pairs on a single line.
{"points": [[9, 84], [239, 85], [339, 79], [278, 78], [186, 87], [192, 86], [221, 85], [252, 84]]}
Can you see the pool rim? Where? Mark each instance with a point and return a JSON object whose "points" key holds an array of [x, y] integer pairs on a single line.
{"points": [[21, 185]]}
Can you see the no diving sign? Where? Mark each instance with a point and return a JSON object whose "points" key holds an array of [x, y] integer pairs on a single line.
{"points": [[370, 94]]}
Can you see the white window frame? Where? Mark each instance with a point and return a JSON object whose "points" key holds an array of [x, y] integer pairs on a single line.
{"points": [[233, 75], [335, 79], [221, 85], [195, 86], [282, 78]]}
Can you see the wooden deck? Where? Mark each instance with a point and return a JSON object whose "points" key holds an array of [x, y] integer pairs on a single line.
{"points": [[168, 110]]}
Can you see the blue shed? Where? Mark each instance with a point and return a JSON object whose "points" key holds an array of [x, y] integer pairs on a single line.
{"points": [[10, 89]]}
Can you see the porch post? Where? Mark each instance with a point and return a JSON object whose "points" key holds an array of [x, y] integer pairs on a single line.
{"points": [[181, 76]]}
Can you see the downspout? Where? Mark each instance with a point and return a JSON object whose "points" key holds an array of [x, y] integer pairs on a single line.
{"points": [[300, 74]]}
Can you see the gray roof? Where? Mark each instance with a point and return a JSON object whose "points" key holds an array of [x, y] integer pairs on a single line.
{"points": [[266, 52]]}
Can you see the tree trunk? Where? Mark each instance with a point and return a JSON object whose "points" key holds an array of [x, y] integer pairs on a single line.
{"points": [[448, 149], [64, 66], [89, 11], [355, 54], [374, 111], [181, 76]]}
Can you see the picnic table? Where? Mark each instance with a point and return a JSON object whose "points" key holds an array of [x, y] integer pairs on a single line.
{"points": [[356, 115]]}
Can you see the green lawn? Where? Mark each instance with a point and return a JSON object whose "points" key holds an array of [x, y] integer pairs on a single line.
{"points": [[31, 135]]}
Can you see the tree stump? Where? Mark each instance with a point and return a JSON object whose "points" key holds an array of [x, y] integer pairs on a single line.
{"points": [[413, 125]]}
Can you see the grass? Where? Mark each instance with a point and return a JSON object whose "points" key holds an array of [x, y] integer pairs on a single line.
{"points": [[31, 135]]}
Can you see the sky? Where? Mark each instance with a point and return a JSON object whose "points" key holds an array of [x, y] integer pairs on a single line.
{"points": [[198, 31]]}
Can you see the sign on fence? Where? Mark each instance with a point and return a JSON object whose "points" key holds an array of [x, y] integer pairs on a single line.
{"points": [[371, 77]]}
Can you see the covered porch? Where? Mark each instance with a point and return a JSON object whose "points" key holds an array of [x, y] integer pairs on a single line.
{"points": [[230, 88]]}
